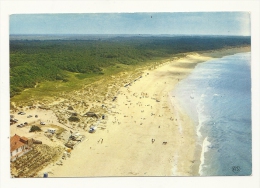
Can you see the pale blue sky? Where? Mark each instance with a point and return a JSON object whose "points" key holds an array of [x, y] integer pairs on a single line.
{"points": [[196, 23]]}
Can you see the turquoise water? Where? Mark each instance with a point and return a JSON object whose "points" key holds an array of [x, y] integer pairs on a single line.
{"points": [[217, 96]]}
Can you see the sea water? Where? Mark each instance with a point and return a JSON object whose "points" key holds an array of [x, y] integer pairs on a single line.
{"points": [[217, 96]]}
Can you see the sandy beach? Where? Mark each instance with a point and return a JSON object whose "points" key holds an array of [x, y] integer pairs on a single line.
{"points": [[147, 133]]}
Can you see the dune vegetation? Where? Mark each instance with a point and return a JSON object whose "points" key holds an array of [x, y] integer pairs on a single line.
{"points": [[54, 66]]}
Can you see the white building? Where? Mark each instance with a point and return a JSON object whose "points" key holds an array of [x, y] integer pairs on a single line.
{"points": [[18, 146], [50, 130]]}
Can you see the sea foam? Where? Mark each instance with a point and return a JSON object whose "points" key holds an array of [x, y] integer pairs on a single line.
{"points": [[217, 96]]}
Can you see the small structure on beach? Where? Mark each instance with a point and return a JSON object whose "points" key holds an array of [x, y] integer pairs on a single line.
{"points": [[51, 130], [74, 140], [77, 137], [92, 129], [103, 116], [91, 114], [36, 141]]}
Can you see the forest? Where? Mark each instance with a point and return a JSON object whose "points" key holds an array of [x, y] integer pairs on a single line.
{"points": [[36, 61]]}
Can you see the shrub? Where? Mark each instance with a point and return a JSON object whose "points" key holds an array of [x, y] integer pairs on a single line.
{"points": [[74, 119], [35, 128]]}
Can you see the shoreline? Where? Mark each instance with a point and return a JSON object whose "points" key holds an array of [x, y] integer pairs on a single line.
{"points": [[142, 112], [202, 141]]}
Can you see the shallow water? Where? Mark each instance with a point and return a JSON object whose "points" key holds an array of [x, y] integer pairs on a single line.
{"points": [[217, 96]]}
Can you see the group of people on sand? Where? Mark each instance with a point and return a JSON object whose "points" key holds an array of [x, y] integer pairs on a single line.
{"points": [[100, 140]]}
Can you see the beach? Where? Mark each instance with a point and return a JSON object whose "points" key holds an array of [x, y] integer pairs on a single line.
{"points": [[147, 132]]}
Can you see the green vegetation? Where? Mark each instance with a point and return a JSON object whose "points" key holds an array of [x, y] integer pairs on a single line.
{"points": [[35, 128], [74, 119], [62, 65]]}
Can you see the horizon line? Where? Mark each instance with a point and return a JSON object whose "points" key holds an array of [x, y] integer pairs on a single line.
{"points": [[27, 34]]}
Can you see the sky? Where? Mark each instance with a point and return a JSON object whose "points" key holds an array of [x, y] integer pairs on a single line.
{"points": [[185, 23]]}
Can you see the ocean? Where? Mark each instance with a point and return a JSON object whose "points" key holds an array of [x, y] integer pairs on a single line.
{"points": [[217, 96]]}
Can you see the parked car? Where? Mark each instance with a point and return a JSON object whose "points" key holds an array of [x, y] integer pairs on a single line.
{"points": [[21, 113], [92, 129], [13, 120], [20, 125], [42, 123], [29, 116]]}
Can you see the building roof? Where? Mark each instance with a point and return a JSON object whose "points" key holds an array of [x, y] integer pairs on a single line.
{"points": [[15, 142], [24, 138]]}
